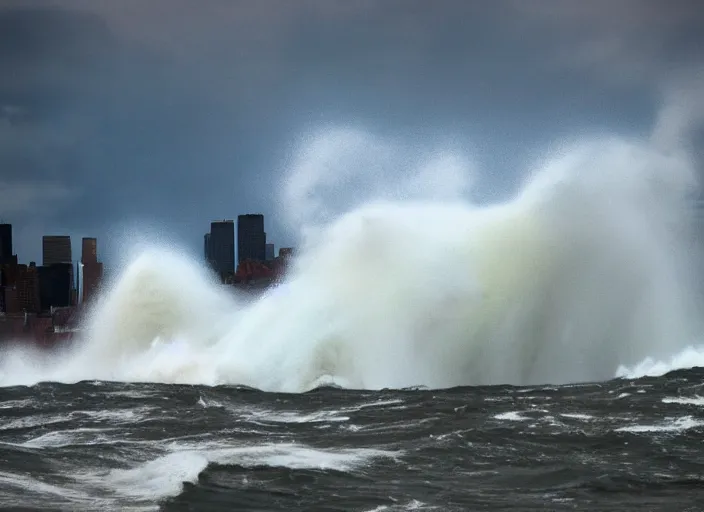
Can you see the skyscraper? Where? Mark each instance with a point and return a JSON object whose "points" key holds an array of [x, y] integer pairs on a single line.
{"points": [[56, 249], [270, 252], [56, 276], [251, 238], [89, 250], [27, 288], [55, 285], [5, 242], [221, 247], [92, 273]]}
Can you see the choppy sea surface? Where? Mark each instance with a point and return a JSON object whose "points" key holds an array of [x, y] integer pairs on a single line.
{"points": [[620, 445]]}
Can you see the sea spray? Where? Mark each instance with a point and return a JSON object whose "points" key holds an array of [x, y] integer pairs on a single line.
{"points": [[584, 270]]}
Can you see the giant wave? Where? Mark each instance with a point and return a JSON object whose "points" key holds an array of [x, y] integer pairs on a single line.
{"points": [[587, 269]]}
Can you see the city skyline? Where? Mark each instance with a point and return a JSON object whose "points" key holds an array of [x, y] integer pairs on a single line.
{"points": [[113, 122], [43, 302], [58, 282], [352, 254], [79, 243]]}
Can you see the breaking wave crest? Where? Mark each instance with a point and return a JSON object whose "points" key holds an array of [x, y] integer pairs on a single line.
{"points": [[587, 269]]}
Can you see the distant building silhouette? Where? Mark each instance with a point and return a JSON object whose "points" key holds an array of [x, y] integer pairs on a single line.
{"points": [[89, 250], [251, 238], [5, 243], [8, 281], [92, 273], [8, 273], [22, 293], [221, 247], [28, 288], [11, 302], [55, 285], [270, 252], [56, 249]]}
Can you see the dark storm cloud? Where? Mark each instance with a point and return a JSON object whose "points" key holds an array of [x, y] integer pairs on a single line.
{"points": [[178, 113], [624, 41]]}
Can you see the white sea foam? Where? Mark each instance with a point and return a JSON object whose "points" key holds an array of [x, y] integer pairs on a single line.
{"points": [[164, 476], [265, 416], [17, 404], [511, 416], [670, 425], [577, 416], [585, 274], [61, 438], [682, 400], [688, 357]]}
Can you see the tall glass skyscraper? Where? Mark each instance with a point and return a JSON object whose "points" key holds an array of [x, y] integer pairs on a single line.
{"points": [[56, 249], [251, 238], [221, 246]]}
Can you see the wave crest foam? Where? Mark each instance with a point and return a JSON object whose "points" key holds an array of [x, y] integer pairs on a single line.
{"points": [[585, 270]]}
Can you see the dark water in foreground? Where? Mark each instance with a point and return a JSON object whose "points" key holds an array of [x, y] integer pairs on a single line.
{"points": [[615, 446]]}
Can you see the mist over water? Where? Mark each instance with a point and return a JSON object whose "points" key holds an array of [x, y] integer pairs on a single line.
{"points": [[586, 273]]}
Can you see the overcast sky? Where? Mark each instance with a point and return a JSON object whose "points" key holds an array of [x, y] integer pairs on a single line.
{"points": [[118, 117]]}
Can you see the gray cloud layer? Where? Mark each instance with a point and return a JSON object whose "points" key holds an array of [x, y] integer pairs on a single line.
{"points": [[177, 113]]}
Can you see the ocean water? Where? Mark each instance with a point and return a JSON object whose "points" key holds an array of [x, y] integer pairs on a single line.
{"points": [[620, 445], [424, 353]]}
